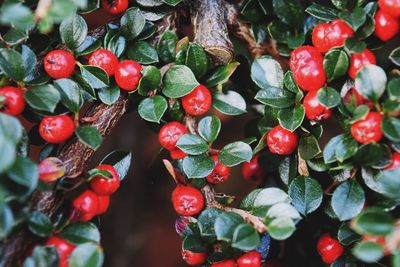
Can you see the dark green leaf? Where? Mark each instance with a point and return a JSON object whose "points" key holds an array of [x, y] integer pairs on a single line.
{"points": [[109, 95], [291, 118], [8, 155], [275, 97], [24, 172], [43, 256], [336, 63], [235, 153], [142, 52], [153, 108], [230, 103], [206, 221], [308, 147], [289, 12], [132, 23], [96, 77], [290, 83], [353, 45], [16, 14], [395, 56], [89, 136], [43, 97], [368, 251], [198, 166], [322, 12], [373, 221], [391, 128], [192, 144], [86, 255], [271, 196], [178, 81], [10, 128], [346, 236], [121, 161], [348, 200], [356, 18], [245, 237], [6, 220], [166, 46], [150, 80], [330, 148], [389, 183], [79, 233], [281, 228], [193, 243], [267, 72], [196, 60], [371, 82], [70, 93], [345, 148], [12, 64], [306, 194], [40, 224], [225, 225], [209, 128], [73, 31], [172, 2]]}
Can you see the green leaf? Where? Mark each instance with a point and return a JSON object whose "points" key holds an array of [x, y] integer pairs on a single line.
{"points": [[178, 81], [153, 108], [235, 153], [368, 251], [40, 224], [73, 31], [276, 97], [355, 19], [322, 12], [391, 128], [289, 12], [270, 196], [96, 77], [10, 128], [330, 148], [192, 144], [151, 77], [198, 166], [283, 210], [206, 222], [89, 136], [281, 228], [231, 103], [395, 56], [336, 63], [295, 41], [120, 160], [16, 15], [291, 118], [8, 155], [172, 2], [353, 45], [308, 147], [86, 255], [30, 61], [80, 233], [348, 200], [132, 23], [196, 60], [209, 128], [371, 82], [267, 72], [373, 221], [43, 97], [346, 236], [392, 88], [109, 95], [225, 225], [359, 113], [245, 237], [43, 256], [116, 44], [373, 154], [287, 169], [70, 93], [340, 4], [290, 83], [142, 52], [6, 220], [193, 243], [221, 74], [248, 202], [12, 64], [24, 172], [346, 148], [306, 194], [166, 46], [389, 183]]}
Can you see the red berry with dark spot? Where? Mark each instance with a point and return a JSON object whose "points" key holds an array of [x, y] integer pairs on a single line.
{"points": [[63, 248], [105, 186], [115, 6], [59, 64], [56, 129], [386, 26], [14, 102], [177, 154], [332, 34], [187, 200], [252, 171], [329, 248], [226, 263], [86, 205], [281, 141], [306, 63], [315, 111], [249, 259], [395, 163], [392, 7], [198, 102], [194, 258], [368, 130], [220, 173], [103, 204], [127, 75], [359, 60], [104, 59], [170, 134]]}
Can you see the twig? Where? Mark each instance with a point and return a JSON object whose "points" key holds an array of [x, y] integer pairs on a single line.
{"points": [[42, 9]]}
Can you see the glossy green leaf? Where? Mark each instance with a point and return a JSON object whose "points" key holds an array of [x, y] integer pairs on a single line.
{"points": [[209, 128], [373, 221], [89, 136], [150, 80], [70, 93], [348, 200], [86, 255], [142, 52], [306, 194], [371, 82], [267, 72], [291, 118], [80, 233], [368, 251], [12, 64], [336, 62], [73, 31], [391, 128], [196, 60], [276, 97], [308, 147], [192, 144], [43, 97], [166, 46], [198, 166], [221, 74], [96, 77], [132, 23], [109, 95], [225, 225], [245, 237], [178, 81], [281, 228], [235, 153], [231, 103], [153, 108], [121, 161]]}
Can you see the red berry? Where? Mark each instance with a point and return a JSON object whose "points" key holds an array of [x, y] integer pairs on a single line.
{"points": [[104, 59], [187, 200], [220, 173], [105, 186], [392, 7], [59, 64], [63, 248], [306, 63], [226, 263], [14, 102], [386, 26], [170, 134], [115, 6], [395, 163], [368, 129], [198, 102], [328, 35], [353, 97], [252, 171], [329, 248], [86, 205], [56, 129], [359, 60], [249, 259], [177, 154], [103, 204], [315, 111], [127, 75], [281, 141], [194, 258]]}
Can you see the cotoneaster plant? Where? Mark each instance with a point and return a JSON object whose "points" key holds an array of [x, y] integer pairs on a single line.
{"points": [[320, 81]]}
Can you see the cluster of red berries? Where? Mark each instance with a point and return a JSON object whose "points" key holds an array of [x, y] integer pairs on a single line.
{"points": [[329, 248], [387, 23], [248, 259], [95, 201]]}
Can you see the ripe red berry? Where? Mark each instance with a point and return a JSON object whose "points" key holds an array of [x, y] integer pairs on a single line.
{"points": [[386, 26], [249, 259], [86, 205], [56, 129], [127, 75], [392, 7], [115, 6], [226, 263], [63, 248], [170, 134], [395, 163], [306, 63], [359, 60], [220, 173], [177, 154], [104, 59], [105, 186], [198, 102], [332, 34], [315, 111], [329, 248], [59, 64], [194, 258], [281, 141], [14, 102], [103, 204], [252, 171], [187, 200], [368, 130]]}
